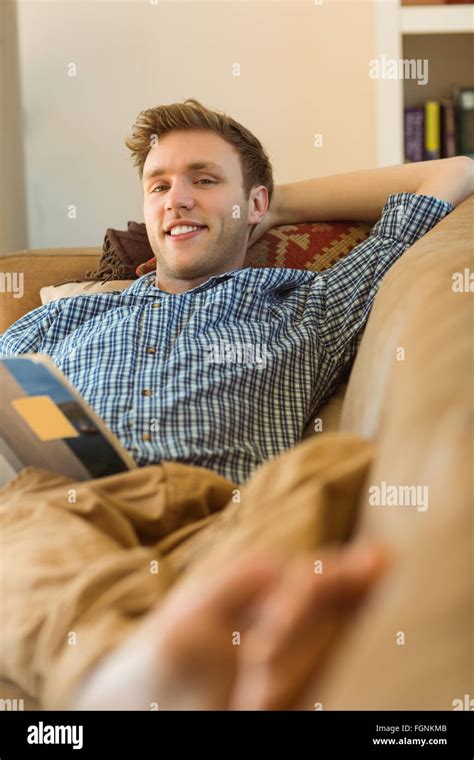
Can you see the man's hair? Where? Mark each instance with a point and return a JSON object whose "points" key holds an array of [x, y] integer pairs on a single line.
{"points": [[191, 114]]}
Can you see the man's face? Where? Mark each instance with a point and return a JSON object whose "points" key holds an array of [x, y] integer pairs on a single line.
{"points": [[211, 196]]}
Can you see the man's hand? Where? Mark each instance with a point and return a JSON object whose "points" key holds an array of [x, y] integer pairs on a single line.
{"points": [[184, 655]]}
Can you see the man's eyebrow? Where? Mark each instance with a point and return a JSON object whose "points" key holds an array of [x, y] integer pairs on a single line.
{"points": [[159, 171]]}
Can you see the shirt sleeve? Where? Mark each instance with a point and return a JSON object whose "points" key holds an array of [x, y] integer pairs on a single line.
{"points": [[342, 296], [26, 334]]}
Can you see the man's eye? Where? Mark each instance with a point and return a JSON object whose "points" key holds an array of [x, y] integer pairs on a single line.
{"points": [[199, 180]]}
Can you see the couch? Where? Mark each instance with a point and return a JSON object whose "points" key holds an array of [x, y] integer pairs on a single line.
{"points": [[410, 391]]}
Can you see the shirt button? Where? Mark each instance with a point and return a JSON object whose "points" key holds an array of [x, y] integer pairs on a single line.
{"points": [[151, 350], [156, 305], [147, 392], [146, 437]]}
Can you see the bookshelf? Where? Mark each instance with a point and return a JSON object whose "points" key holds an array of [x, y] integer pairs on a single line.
{"points": [[443, 34]]}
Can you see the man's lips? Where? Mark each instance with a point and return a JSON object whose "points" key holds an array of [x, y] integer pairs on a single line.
{"points": [[186, 236]]}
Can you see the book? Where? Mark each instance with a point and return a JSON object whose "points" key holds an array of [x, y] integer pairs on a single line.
{"points": [[464, 97], [448, 128], [432, 130], [414, 133], [47, 424]]}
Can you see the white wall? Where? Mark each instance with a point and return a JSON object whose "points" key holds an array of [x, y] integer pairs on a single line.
{"points": [[303, 71], [13, 214]]}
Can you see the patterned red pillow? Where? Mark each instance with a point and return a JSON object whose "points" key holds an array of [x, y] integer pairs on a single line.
{"points": [[311, 245]]}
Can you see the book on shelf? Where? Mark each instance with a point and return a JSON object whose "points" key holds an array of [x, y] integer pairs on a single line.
{"points": [[440, 128], [47, 424], [465, 120]]}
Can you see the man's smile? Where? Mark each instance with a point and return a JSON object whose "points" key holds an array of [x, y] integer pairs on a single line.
{"points": [[178, 238]]}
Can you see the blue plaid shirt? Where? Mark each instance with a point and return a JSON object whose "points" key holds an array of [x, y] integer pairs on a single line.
{"points": [[229, 373]]}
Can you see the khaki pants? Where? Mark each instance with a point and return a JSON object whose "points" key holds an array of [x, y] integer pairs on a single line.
{"points": [[82, 563]]}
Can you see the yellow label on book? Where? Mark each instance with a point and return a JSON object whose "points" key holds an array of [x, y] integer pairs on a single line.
{"points": [[432, 126], [44, 418]]}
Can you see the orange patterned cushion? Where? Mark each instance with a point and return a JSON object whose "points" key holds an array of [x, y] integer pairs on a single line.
{"points": [[311, 245]]}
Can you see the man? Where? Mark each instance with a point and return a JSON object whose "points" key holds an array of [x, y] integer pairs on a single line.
{"points": [[152, 359], [149, 359]]}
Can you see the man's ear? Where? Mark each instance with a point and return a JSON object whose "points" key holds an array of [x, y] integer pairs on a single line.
{"points": [[260, 195]]}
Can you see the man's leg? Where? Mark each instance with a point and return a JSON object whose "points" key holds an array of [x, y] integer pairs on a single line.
{"points": [[79, 564], [90, 552], [302, 500]]}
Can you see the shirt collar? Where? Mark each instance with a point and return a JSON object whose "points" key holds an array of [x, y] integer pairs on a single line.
{"points": [[145, 285]]}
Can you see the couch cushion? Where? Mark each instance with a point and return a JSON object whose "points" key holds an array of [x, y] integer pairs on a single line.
{"points": [[69, 289]]}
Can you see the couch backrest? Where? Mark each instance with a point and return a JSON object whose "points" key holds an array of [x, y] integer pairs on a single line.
{"points": [[40, 267], [411, 386], [416, 311]]}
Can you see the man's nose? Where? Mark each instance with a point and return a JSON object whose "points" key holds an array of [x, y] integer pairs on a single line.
{"points": [[179, 196]]}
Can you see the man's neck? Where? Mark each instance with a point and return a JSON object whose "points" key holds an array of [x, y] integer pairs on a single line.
{"points": [[179, 286], [182, 286]]}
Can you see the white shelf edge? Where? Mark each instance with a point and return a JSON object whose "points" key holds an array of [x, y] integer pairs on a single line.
{"points": [[388, 92], [436, 19]]}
